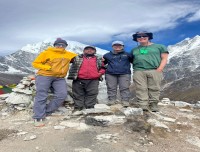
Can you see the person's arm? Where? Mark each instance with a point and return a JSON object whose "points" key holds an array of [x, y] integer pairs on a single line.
{"points": [[39, 62], [164, 57]]}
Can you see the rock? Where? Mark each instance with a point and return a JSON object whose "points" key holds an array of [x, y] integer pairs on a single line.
{"points": [[101, 106], [22, 133], [181, 104], [27, 83], [4, 96], [108, 138], [20, 86], [158, 124], [59, 127], [185, 110], [138, 124], [31, 137], [193, 140], [76, 125], [104, 120], [82, 150], [164, 118], [133, 111], [96, 111], [16, 98], [25, 91], [2, 101]]}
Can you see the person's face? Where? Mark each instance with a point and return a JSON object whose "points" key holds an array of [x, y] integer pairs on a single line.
{"points": [[89, 51], [60, 45], [142, 38], [117, 47]]}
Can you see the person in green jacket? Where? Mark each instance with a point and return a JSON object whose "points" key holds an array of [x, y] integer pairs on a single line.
{"points": [[148, 64]]}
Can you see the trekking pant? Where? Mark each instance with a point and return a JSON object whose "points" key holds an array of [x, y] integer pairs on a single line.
{"points": [[112, 82], [43, 84], [85, 93], [147, 85]]}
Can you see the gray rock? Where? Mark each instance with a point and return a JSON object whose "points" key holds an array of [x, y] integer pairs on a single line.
{"points": [[4, 96], [102, 106], [108, 138], [132, 111], [158, 124], [193, 140], [96, 111], [181, 104], [16, 98], [104, 120], [30, 137]]}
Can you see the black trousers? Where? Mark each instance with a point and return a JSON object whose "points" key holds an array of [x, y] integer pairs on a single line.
{"points": [[85, 93]]}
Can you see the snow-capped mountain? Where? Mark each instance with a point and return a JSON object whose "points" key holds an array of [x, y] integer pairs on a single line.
{"points": [[184, 59], [182, 73], [20, 61]]}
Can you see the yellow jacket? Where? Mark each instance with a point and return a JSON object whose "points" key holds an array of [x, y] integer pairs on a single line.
{"points": [[53, 62]]}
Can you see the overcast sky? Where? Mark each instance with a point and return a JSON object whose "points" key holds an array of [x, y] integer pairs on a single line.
{"points": [[89, 21]]}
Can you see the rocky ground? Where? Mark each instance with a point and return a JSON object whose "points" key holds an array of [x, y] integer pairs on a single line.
{"points": [[101, 129]]}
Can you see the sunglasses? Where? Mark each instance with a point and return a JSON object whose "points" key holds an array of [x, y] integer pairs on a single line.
{"points": [[61, 45], [140, 36]]}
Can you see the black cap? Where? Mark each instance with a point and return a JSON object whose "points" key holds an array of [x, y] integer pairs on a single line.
{"points": [[149, 34], [90, 47]]}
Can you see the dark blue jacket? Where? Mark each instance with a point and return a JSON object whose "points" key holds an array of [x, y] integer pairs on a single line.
{"points": [[118, 63]]}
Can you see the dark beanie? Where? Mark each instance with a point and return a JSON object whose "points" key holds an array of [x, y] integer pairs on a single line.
{"points": [[59, 40], [90, 47]]}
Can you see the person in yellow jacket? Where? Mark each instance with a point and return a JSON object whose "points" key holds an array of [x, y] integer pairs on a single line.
{"points": [[53, 65]]}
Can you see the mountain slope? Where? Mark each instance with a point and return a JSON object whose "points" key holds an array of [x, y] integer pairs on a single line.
{"points": [[20, 61]]}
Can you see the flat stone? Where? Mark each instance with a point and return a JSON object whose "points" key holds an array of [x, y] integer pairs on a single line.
{"points": [[20, 86], [82, 150], [185, 110], [181, 104], [96, 111], [158, 124], [132, 111], [22, 133], [104, 120], [164, 118], [16, 98], [30, 137], [59, 127], [101, 106], [108, 138], [193, 140], [25, 91], [4, 96], [76, 125]]}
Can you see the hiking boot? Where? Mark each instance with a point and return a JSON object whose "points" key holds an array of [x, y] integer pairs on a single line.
{"points": [[154, 107], [111, 102], [39, 123], [125, 103], [142, 106], [77, 111]]}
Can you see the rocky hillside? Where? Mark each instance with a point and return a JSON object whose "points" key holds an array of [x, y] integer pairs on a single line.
{"points": [[182, 74]]}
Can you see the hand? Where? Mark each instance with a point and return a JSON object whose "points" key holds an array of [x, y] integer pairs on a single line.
{"points": [[159, 69], [103, 59]]}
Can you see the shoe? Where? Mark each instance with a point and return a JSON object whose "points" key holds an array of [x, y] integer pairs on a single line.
{"points": [[154, 107], [39, 123], [142, 106], [111, 102], [125, 103], [77, 111]]}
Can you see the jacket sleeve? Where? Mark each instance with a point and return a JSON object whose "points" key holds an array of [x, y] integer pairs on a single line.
{"points": [[39, 62], [102, 70]]}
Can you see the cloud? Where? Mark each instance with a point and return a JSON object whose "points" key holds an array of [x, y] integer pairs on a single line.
{"points": [[194, 17], [87, 21]]}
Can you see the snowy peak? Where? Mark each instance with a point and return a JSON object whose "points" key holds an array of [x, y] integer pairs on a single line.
{"points": [[184, 46], [72, 46]]}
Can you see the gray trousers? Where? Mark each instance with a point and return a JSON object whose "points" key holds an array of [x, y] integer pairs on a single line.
{"points": [[147, 85], [112, 82], [85, 93], [43, 84]]}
